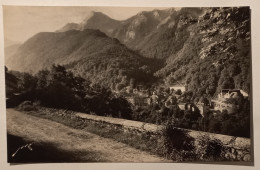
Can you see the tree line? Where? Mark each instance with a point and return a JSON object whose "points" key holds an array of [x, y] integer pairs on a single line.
{"points": [[59, 88]]}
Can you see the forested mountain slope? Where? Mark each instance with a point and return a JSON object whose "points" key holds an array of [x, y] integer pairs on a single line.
{"points": [[89, 53], [205, 48], [216, 54]]}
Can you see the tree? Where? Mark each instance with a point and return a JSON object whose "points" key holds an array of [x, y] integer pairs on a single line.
{"points": [[27, 82], [234, 70], [214, 125], [120, 107], [42, 78], [228, 83], [178, 92], [58, 73], [11, 83]]}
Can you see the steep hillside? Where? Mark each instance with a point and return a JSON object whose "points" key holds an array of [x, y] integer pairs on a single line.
{"points": [[215, 55], [136, 28], [158, 33], [89, 53]]}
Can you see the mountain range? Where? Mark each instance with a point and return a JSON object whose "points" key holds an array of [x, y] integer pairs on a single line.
{"points": [[96, 20], [205, 48]]}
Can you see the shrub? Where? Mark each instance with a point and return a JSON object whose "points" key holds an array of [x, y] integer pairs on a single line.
{"points": [[177, 144], [210, 149], [27, 106]]}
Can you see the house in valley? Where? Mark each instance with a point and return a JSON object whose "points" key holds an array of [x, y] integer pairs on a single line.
{"points": [[176, 87], [222, 102]]}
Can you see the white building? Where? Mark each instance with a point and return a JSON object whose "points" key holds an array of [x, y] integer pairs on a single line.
{"points": [[178, 87]]}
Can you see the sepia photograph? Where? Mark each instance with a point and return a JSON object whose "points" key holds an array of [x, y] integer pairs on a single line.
{"points": [[91, 84]]}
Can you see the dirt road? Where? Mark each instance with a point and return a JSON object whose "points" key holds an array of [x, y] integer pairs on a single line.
{"points": [[80, 145]]}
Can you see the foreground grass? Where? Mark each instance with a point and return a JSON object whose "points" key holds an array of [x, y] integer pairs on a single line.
{"points": [[68, 118], [42, 152]]}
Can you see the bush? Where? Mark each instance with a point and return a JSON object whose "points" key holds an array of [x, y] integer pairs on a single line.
{"points": [[210, 149], [177, 144], [27, 106]]}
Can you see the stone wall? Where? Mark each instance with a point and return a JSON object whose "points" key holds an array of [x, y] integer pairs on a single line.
{"points": [[236, 148]]}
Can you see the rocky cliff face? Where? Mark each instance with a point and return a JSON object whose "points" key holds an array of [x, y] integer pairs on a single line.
{"points": [[158, 33]]}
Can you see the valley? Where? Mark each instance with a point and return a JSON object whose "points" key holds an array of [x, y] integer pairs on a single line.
{"points": [[188, 68]]}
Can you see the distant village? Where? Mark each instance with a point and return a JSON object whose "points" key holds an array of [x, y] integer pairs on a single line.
{"points": [[173, 95]]}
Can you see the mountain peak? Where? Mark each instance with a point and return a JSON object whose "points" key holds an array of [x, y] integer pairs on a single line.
{"points": [[95, 20], [69, 26], [99, 20], [95, 15]]}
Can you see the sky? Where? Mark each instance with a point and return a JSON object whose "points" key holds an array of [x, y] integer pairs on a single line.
{"points": [[22, 22]]}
